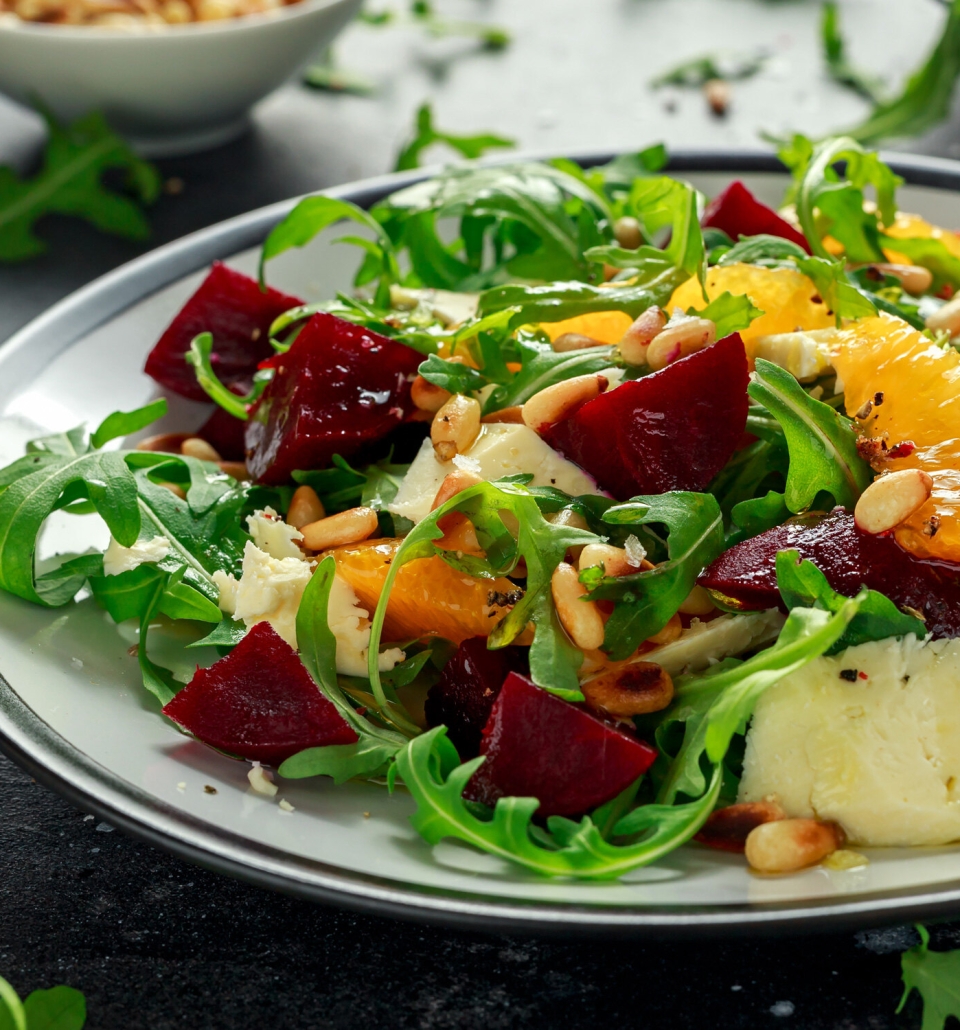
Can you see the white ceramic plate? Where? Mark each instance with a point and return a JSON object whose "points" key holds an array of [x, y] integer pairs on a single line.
{"points": [[73, 712]]}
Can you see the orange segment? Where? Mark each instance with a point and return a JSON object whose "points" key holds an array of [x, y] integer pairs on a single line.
{"points": [[785, 295], [428, 596], [920, 384], [607, 326], [907, 226]]}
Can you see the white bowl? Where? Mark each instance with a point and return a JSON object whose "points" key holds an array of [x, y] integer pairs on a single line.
{"points": [[168, 90]]}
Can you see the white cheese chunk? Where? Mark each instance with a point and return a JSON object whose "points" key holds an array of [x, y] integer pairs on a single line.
{"points": [[880, 755], [123, 559], [271, 534], [350, 624], [804, 354], [501, 450], [446, 306]]}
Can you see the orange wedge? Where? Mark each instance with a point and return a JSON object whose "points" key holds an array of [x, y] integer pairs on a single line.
{"points": [[606, 326]]}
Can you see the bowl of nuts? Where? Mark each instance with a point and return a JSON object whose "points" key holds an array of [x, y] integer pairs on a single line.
{"points": [[173, 76]]}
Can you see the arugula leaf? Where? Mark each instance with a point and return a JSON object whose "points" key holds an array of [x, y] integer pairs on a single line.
{"points": [[870, 87], [327, 76], [70, 183], [841, 298], [126, 595], [730, 313], [756, 515], [935, 976], [491, 36], [930, 253], [12, 1016], [803, 585], [57, 1008], [764, 250], [426, 135], [821, 442], [375, 746], [429, 771], [452, 375], [645, 601], [696, 71], [201, 347], [339, 487], [124, 423]]}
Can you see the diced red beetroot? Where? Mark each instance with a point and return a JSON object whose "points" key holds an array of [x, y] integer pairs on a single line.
{"points": [[738, 213], [470, 682], [232, 307], [539, 746], [340, 387], [259, 703], [672, 430], [225, 434], [849, 558]]}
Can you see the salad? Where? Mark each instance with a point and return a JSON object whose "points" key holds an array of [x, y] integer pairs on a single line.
{"points": [[601, 515]]}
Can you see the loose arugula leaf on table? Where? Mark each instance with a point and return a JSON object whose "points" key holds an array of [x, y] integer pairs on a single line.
{"points": [[326, 75], [71, 183], [376, 745], [803, 585], [426, 135], [870, 87], [493, 37], [645, 601], [821, 442], [730, 313], [696, 71], [935, 976], [841, 298]]}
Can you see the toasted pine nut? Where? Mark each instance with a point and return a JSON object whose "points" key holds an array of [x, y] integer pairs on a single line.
{"points": [[635, 341], [680, 337], [561, 400], [669, 633], [717, 92], [305, 507], [195, 447], [626, 229], [512, 416], [613, 559], [575, 341], [891, 499], [947, 317], [346, 527], [914, 279], [581, 619], [697, 602], [427, 396], [639, 688], [236, 469], [170, 443], [727, 828], [455, 426], [459, 533], [175, 489], [784, 845], [453, 483]]}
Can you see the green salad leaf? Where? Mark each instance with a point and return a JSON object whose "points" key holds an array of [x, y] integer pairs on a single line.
{"points": [[821, 442], [57, 1008], [841, 297], [12, 1016], [764, 250], [201, 348], [125, 423], [935, 976], [696, 71], [426, 135], [730, 313], [870, 87]]}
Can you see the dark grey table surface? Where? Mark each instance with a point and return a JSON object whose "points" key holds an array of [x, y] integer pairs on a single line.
{"points": [[156, 943]]}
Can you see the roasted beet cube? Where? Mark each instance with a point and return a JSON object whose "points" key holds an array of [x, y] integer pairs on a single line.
{"points": [[259, 703], [339, 388], [738, 213], [238, 313], [672, 430], [225, 434], [470, 682], [536, 745], [849, 558]]}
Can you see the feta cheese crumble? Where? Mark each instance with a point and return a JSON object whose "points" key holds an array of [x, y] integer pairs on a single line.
{"points": [[350, 624], [120, 559], [271, 534]]}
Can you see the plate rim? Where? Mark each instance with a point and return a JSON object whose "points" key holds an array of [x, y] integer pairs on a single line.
{"points": [[51, 759]]}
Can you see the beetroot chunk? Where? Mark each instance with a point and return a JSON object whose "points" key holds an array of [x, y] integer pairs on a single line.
{"points": [[738, 213], [672, 430], [225, 434], [232, 307], [849, 558], [464, 695], [539, 746], [259, 703], [340, 387]]}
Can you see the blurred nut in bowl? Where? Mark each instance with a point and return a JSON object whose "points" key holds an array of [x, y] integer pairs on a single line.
{"points": [[173, 76]]}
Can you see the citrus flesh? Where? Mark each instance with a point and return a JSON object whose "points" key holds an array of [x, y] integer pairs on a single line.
{"points": [[605, 326]]}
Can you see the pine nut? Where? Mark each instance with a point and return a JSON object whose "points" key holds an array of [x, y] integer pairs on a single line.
{"points": [[195, 447], [946, 318], [512, 416], [717, 92], [613, 559], [561, 400], [727, 828], [915, 279], [459, 533], [891, 499], [305, 507], [346, 527], [633, 346], [697, 602], [635, 690], [681, 337], [455, 426], [575, 341], [426, 396], [627, 232], [453, 483], [169, 443], [581, 619], [236, 469], [669, 633], [784, 845]]}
